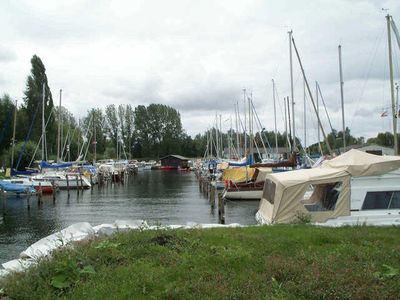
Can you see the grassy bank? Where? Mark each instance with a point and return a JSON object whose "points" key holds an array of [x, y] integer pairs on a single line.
{"points": [[277, 262]]}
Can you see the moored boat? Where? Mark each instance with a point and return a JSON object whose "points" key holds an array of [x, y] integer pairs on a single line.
{"points": [[353, 188]]}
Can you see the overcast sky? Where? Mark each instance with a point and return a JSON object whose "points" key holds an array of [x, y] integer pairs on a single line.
{"points": [[197, 56]]}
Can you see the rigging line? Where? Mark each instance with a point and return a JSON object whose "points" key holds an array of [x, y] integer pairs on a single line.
{"points": [[86, 134], [326, 111], [279, 104], [260, 128], [372, 56], [40, 140]]}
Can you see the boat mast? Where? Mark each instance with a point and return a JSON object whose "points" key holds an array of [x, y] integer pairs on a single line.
{"points": [[286, 127], [317, 99], [250, 127], [397, 102], [291, 87], [94, 138], [221, 140], [276, 131], [305, 116], [59, 129], [388, 17], [290, 128], [237, 128], [230, 140], [13, 138], [312, 100], [245, 123], [342, 97], [43, 122]]}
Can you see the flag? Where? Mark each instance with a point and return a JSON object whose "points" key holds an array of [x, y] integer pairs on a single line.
{"points": [[384, 114]]}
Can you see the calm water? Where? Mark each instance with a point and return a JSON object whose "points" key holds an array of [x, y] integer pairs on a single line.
{"points": [[154, 196]]}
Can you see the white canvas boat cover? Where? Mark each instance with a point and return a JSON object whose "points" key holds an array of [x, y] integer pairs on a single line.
{"points": [[283, 194], [358, 163]]}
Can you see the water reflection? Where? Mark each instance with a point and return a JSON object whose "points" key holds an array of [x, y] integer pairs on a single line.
{"points": [[155, 196]]}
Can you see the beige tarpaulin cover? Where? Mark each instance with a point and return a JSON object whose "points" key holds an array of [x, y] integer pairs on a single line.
{"points": [[291, 186], [359, 163], [262, 173], [238, 174]]}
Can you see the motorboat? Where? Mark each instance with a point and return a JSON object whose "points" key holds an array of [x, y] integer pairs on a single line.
{"points": [[15, 188], [352, 189], [64, 180], [46, 187]]}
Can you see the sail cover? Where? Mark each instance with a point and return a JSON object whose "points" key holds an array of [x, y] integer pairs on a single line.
{"points": [[46, 165]]}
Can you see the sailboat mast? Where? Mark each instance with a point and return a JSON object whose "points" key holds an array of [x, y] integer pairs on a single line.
{"points": [[290, 129], [311, 98], [291, 87], [94, 138], [388, 17], [230, 140], [237, 128], [276, 130], [342, 97], [286, 127], [43, 122], [245, 123], [59, 129], [250, 129], [305, 116], [13, 138], [317, 100], [221, 140]]}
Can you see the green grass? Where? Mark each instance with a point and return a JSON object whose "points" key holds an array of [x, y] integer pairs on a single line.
{"points": [[269, 262]]}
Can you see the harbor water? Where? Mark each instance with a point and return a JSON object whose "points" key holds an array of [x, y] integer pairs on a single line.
{"points": [[154, 196]]}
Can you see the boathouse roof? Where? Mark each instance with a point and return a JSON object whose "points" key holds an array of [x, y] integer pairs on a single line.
{"points": [[176, 156]]}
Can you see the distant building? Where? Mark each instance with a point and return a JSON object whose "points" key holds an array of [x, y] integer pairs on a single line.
{"points": [[376, 149], [174, 162]]}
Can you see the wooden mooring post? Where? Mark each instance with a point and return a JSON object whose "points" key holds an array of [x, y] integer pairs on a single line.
{"points": [[53, 191], [27, 201], [66, 177], [77, 184], [221, 209], [212, 197], [80, 177], [39, 194]]}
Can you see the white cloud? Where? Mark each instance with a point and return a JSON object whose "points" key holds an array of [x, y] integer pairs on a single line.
{"points": [[198, 55]]}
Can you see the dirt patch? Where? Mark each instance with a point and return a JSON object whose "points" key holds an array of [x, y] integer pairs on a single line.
{"points": [[163, 240]]}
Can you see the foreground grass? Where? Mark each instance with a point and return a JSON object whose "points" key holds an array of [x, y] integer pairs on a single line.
{"points": [[276, 262]]}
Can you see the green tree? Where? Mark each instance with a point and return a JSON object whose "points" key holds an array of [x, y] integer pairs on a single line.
{"points": [[158, 129], [32, 106], [6, 121], [112, 123]]}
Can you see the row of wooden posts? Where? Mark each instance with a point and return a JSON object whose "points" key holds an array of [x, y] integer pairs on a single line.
{"points": [[211, 191]]}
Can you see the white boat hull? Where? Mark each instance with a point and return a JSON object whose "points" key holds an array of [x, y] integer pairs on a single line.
{"points": [[243, 195]]}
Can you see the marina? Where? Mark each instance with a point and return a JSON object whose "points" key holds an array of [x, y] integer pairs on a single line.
{"points": [[226, 150]]}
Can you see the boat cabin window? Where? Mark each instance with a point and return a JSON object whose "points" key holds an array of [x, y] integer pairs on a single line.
{"points": [[269, 191], [321, 197], [382, 200]]}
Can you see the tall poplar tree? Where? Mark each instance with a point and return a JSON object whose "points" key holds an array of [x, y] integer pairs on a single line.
{"points": [[33, 104]]}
